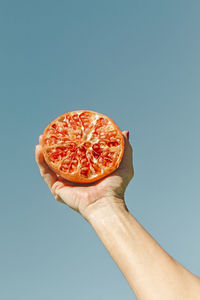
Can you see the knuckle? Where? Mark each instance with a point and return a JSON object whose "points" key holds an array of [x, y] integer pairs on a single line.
{"points": [[58, 199], [42, 174], [132, 173]]}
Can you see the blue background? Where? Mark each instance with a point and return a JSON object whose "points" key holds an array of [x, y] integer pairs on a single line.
{"points": [[137, 62]]}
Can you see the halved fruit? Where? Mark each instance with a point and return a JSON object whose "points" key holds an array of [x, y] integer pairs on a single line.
{"points": [[83, 146]]}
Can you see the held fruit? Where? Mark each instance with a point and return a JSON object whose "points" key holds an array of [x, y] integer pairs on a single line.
{"points": [[83, 146]]}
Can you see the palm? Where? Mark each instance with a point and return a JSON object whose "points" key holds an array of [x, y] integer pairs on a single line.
{"points": [[81, 196]]}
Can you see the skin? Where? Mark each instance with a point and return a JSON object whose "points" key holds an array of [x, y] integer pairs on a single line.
{"points": [[150, 271]]}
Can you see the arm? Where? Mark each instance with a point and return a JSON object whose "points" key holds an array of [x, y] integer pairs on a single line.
{"points": [[150, 271]]}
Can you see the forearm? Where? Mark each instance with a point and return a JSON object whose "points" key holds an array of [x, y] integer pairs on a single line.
{"points": [[149, 270]]}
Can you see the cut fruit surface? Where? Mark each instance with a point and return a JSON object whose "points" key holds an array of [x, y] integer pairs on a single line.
{"points": [[83, 146]]}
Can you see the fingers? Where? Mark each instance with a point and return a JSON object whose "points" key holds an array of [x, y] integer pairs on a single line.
{"points": [[127, 159], [40, 139], [54, 182], [48, 175], [126, 165]]}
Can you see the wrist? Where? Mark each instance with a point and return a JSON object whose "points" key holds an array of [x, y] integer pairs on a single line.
{"points": [[105, 209]]}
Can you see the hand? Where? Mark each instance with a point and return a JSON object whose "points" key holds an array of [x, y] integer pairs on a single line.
{"points": [[86, 197]]}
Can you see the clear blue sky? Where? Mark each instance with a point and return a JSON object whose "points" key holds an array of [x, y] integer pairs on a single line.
{"points": [[135, 61]]}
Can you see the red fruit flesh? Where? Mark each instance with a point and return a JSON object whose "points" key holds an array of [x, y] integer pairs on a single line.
{"points": [[83, 146]]}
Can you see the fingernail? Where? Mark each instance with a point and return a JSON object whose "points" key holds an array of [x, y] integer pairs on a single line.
{"points": [[128, 135]]}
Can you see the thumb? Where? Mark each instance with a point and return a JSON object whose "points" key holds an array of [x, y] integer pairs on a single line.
{"points": [[126, 169], [127, 159], [127, 134]]}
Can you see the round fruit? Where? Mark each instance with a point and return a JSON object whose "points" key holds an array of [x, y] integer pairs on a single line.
{"points": [[83, 146]]}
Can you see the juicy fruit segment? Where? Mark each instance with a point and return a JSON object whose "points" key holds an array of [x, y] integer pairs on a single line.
{"points": [[84, 145]]}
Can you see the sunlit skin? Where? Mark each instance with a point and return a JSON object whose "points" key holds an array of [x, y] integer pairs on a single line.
{"points": [[150, 271]]}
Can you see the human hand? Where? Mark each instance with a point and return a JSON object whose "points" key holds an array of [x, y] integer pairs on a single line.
{"points": [[84, 198]]}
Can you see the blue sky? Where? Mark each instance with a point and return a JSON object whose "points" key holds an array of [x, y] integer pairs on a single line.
{"points": [[137, 62]]}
